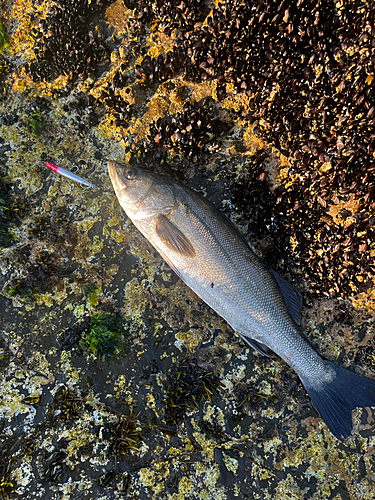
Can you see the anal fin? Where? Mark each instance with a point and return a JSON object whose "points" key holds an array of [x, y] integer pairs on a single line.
{"points": [[262, 349]]}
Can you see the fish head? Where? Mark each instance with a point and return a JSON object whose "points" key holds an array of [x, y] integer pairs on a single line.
{"points": [[140, 193]]}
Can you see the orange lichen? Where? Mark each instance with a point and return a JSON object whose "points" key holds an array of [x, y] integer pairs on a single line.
{"points": [[351, 205], [365, 300], [119, 17]]}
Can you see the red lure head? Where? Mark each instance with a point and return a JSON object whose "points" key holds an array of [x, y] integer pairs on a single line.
{"points": [[51, 166]]}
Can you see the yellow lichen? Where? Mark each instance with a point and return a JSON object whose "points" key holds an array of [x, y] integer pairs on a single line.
{"points": [[189, 340], [230, 463], [136, 300]]}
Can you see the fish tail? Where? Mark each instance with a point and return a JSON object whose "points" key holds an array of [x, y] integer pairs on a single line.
{"points": [[336, 399]]}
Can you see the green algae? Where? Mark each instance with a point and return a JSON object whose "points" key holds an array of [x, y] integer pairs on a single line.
{"points": [[104, 337], [92, 293], [19, 289], [34, 122], [5, 40]]}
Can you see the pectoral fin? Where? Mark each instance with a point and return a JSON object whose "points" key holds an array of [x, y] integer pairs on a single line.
{"points": [[173, 238]]}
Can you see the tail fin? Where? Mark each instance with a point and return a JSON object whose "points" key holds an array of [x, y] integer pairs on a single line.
{"points": [[336, 400]]}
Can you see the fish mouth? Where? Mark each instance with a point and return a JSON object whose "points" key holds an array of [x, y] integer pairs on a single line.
{"points": [[117, 183], [112, 168]]}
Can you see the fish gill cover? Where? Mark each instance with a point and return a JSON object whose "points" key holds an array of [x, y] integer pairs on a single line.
{"points": [[268, 106]]}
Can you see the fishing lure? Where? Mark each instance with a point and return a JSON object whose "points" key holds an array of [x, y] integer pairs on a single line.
{"points": [[68, 175]]}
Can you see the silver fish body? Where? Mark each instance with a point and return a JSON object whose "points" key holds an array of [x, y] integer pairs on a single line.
{"points": [[210, 256]]}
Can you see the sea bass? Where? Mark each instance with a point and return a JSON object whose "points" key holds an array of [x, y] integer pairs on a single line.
{"points": [[205, 250]]}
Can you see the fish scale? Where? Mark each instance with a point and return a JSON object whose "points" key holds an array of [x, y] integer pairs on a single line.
{"points": [[211, 257]]}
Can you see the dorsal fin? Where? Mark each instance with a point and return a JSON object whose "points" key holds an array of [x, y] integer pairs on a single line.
{"points": [[172, 237], [291, 296]]}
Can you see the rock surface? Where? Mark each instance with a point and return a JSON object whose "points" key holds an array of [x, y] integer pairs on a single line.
{"points": [[116, 380]]}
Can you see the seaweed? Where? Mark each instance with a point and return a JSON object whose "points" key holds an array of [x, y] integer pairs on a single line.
{"points": [[13, 450], [55, 466], [187, 384], [68, 338], [43, 274], [124, 435], [65, 406], [4, 69], [104, 337], [6, 238], [92, 292], [21, 290]]}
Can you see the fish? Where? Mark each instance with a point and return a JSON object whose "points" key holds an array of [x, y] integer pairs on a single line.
{"points": [[68, 174], [208, 253]]}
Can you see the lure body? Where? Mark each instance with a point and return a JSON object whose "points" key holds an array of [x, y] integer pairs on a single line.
{"points": [[68, 175]]}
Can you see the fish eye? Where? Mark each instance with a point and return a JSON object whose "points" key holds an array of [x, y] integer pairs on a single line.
{"points": [[129, 173]]}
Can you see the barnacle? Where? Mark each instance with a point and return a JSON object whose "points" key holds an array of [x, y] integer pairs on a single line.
{"points": [[196, 129], [170, 15], [116, 104]]}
